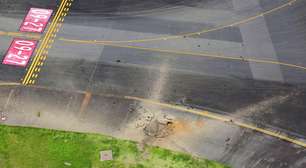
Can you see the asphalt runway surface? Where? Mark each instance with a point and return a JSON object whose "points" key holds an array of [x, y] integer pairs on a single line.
{"points": [[243, 59]]}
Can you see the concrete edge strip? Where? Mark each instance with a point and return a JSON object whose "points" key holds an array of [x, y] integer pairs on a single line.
{"points": [[199, 112]]}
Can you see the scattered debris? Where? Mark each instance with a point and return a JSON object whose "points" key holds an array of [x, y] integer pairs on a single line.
{"points": [[182, 101], [67, 164], [242, 58], [158, 130], [199, 123], [165, 119], [38, 114], [3, 118], [140, 123], [106, 155], [148, 116], [153, 124], [160, 127], [182, 126]]}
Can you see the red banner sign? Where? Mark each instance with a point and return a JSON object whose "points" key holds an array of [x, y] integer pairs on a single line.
{"points": [[20, 52], [36, 20]]}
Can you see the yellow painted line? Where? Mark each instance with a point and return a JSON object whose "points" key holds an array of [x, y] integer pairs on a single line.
{"points": [[20, 34], [44, 42], [199, 112], [179, 52], [9, 84], [14, 34], [271, 133], [170, 37]]}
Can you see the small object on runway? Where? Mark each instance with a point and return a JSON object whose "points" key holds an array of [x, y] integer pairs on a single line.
{"points": [[3, 118]]}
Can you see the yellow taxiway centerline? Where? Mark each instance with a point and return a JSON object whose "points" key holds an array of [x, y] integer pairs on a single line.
{"points": [[191, 53]]}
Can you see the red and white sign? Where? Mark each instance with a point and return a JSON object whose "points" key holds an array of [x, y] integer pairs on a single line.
{"points": [[20, 52], [36, 20]]}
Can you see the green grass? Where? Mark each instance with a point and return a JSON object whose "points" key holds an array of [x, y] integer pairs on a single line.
{"points": [[42, 148]]}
